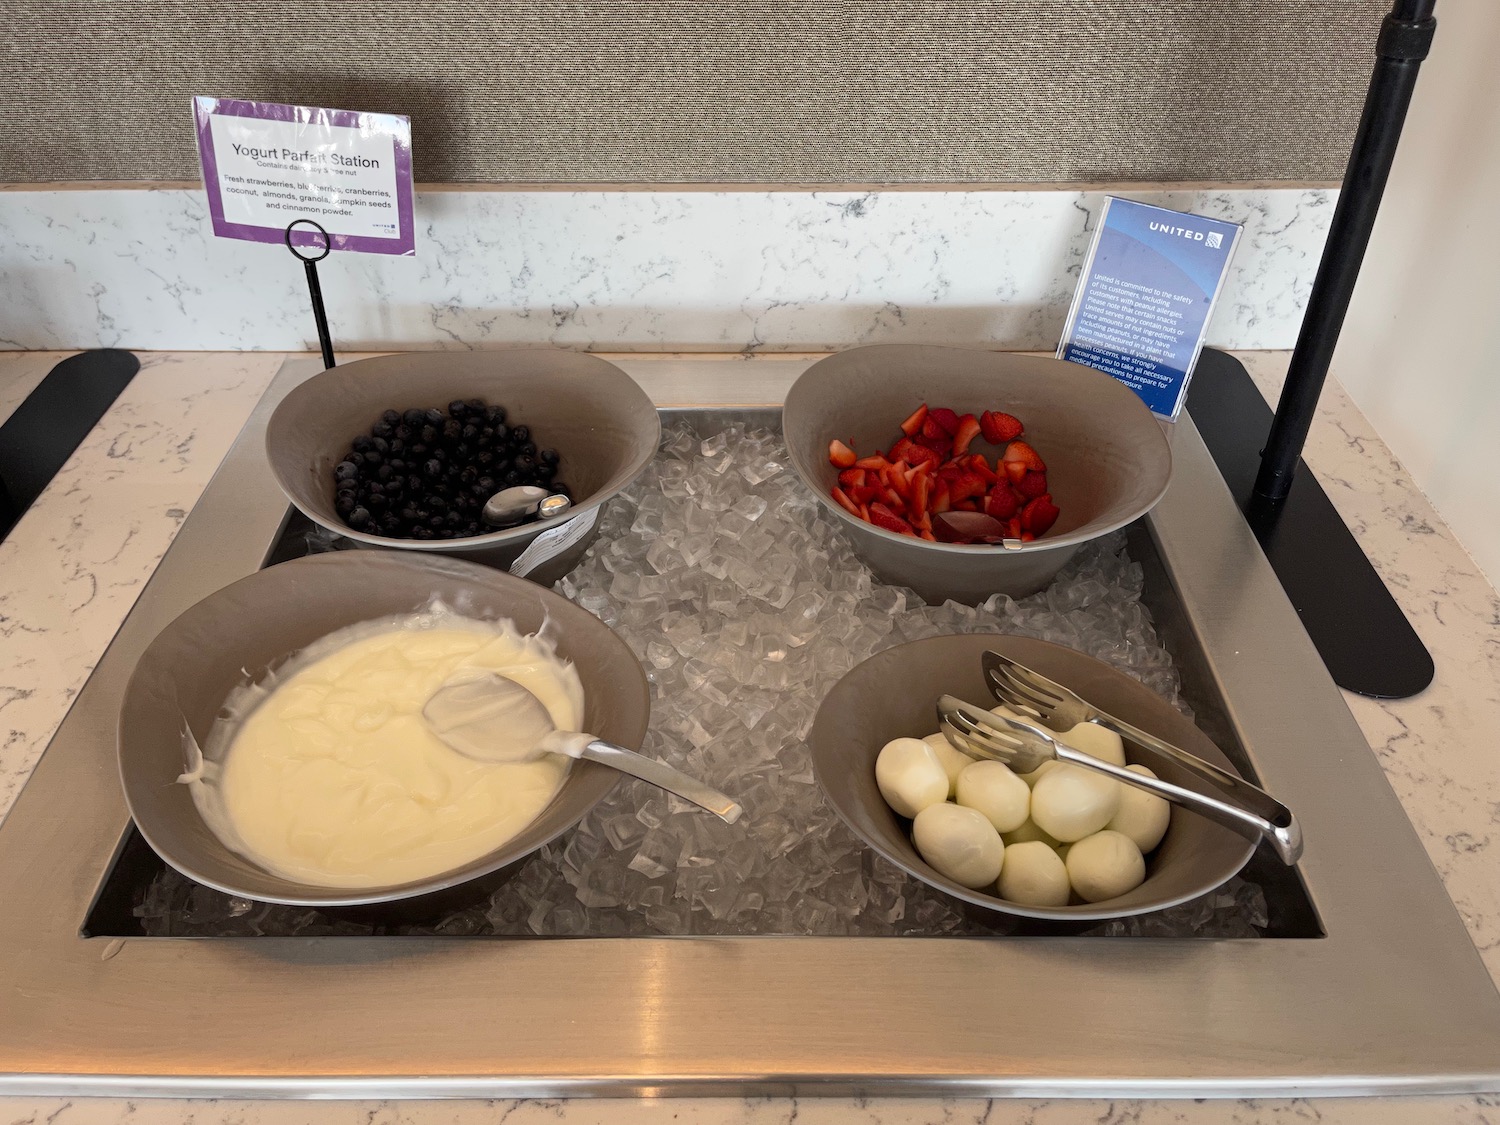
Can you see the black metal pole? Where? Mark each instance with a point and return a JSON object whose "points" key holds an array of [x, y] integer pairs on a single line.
{"points": [[314, 290], [1405, 36]]}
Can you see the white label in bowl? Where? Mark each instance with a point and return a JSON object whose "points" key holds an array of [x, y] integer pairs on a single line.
{"points": [[553, 542]]}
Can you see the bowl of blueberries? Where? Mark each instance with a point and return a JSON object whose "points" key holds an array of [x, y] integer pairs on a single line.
{"points": [[407, 451]]}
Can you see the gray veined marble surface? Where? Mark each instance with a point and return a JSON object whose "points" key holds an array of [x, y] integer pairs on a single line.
{"points": [[73, 567], [624, 270]]}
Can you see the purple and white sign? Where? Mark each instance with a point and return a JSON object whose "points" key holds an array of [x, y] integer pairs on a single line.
{"points": [[266, 165]]}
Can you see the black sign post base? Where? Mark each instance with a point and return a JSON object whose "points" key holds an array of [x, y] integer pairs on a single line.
{"points": [[1364, 638]]}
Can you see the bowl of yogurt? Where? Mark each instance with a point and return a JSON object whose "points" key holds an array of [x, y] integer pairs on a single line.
{"points": [[271, 742]]}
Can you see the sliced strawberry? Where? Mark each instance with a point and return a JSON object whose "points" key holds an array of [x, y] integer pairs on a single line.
{"points": [[852, 478], [883, 517], [1000, 428], [967, 485], [913, 424], [863, 493], [894, 477], [892, 499], [942, 446], [1019, 451], [932, 431], [1002, 502], [921, 521], [944, 418], [1027, 537], [965, 506], [914, 454], [864, 512], [874, 461], [840, 454], [1013, 530], [849, 505], [940, 499], [1032, 485], [968, 430], [1039, 515], [1015, 470], [927, 535], [978, 464], [921, 493]]}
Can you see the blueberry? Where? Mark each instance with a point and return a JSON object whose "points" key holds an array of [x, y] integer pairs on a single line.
{"points": [[495, 415], [417, 451], [471, 528], [428, 435], [520, 434], [435, 522], [381, 445], [458, 408], [421, 533], [374, 488], [476, 405], [360, 444], [346, 470], [485, 459], [397, 445], [488, 484], [388, 470], [523, 465], [547, 457], [359, 518], [381, 430], [434, 417], [511, 479], [374, 458], [469, 433], [390, 418], [452, 430], [468, 475], [526, 449], [376, 502], [404, 433], [414, 417], [433, 468], [545, 473], [390, 524], [436, 503], [344, 505]]}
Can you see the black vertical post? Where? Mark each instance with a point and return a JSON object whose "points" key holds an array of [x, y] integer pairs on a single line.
{"points": [[1405, 36], [314, 290]]}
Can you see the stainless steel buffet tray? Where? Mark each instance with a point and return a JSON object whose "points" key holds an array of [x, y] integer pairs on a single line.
{"points": [[1392, 997]]}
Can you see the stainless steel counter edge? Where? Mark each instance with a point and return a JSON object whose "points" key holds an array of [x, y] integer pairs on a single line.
{"points": [[1394, 1000]]}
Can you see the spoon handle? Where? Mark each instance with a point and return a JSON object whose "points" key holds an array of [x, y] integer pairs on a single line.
{"points": [[663, 776]]}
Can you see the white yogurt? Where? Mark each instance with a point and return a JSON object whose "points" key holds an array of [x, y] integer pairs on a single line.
{"points": [[328, 774]]}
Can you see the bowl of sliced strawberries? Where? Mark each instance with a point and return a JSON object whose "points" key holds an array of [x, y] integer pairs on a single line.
{"points": [[964, 473]]}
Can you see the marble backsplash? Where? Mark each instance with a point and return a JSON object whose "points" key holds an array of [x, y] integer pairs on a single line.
{"points": [[657, 270]]}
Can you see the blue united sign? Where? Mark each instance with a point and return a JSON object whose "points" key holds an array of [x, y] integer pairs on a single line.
{"points": [[1143, 303]]}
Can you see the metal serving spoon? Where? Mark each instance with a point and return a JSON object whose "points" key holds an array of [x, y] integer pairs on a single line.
{"points": [[512, 505], [1024, 748], [494, 719]]}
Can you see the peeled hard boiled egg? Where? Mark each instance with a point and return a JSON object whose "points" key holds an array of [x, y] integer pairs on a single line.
{"points": [[1071, 802], [1093, 739], [953, 760], [1142, 816], [909, 776], [1033, 875], [960, 843], [992, 789], [1105, 865]]}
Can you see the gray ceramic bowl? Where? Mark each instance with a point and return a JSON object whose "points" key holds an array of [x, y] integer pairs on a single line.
{"points": [[256, 623], [892, 695], [1108, 461], [598, 419]]}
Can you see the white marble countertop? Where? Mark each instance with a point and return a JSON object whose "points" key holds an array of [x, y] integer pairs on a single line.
{"points": [[74, 565]]}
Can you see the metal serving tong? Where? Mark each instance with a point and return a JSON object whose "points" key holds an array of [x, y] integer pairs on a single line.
{"points": [[1230, 801]]}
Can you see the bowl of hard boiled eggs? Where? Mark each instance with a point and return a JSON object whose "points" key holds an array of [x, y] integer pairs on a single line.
{"points": [[1062, 843]]}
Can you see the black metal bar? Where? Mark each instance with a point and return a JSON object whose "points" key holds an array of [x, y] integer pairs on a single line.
{"points": [[315, 290], [1405, 36]]}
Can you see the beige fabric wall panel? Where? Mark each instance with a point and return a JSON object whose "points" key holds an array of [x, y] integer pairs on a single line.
{"points": [[678, 91]]}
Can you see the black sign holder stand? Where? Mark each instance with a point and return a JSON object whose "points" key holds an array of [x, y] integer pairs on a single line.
{"points": [[1359, 630], [314, 290]]}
